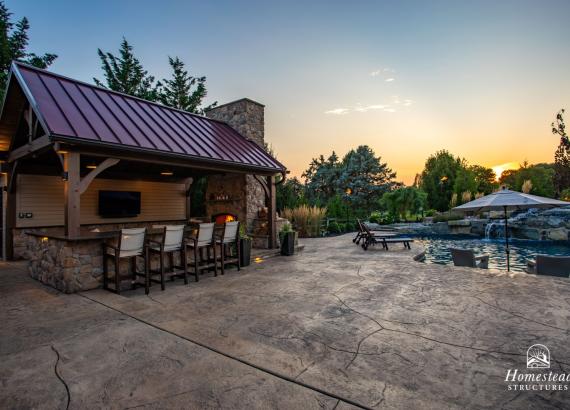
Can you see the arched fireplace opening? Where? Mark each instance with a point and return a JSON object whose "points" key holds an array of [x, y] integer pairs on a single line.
{"points": [[224, 217]]}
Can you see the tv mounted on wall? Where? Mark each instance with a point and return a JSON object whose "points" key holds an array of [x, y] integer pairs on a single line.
{"points": [[119, 204]]}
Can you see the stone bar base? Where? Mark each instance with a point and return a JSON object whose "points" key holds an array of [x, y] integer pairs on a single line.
{"points": [[69, 266]]}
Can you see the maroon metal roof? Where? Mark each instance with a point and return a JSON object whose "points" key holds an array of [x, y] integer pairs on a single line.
{"points": [[73, 109]]}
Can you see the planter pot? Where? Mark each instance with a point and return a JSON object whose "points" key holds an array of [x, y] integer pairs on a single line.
{"points": [[288, 243], [245, 255]]}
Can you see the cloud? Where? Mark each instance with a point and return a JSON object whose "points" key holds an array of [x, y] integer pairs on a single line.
{"points": [[392, 107], [386, 72], [338, 111], [389, 80], [360, 108]]}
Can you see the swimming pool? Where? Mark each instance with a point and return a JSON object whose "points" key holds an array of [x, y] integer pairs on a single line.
{"points": [[437, 249]]}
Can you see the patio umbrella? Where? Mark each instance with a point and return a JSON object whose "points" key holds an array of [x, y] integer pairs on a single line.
{"points": [[506, 199]]}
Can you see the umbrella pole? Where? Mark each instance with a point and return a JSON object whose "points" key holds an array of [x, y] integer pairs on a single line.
{"points": [[507, 240]]}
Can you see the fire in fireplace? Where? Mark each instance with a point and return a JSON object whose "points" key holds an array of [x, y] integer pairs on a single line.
{"points": [[221, 219]]}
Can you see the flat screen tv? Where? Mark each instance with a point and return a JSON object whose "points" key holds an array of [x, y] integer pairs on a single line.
{"points": [[119, 204]]}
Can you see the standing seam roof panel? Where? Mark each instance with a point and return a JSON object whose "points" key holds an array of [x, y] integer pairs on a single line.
{"points": [[75, 109], [182, 145], [216, 139], [183, 136], [102, 130], [70, 109]]}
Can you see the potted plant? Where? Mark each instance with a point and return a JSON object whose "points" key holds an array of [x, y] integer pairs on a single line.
{"points": [[287, 239], [245, 246]]}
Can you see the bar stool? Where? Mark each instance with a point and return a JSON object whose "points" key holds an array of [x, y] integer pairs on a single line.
{"points": [[228, 237], [204, 239], [172, 241], [131, 244]]}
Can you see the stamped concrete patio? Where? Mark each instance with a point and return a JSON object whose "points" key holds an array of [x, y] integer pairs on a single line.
{"points": [[332, 327]]}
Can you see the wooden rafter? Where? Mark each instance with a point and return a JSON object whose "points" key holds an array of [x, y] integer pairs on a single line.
{"points": [[29, 148]]}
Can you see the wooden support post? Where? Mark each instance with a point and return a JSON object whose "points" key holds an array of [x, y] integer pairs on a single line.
{"points": [[72, 180], [271, 210], [10, 211], [188, 203]]}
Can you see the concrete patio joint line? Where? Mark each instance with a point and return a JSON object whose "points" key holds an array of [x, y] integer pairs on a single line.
{"points": [[232, 357]]}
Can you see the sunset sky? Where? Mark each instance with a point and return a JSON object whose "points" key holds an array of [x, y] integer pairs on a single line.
{"points": [[482, 79]]}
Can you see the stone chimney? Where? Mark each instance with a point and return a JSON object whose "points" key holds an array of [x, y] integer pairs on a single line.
{"points": [[245, 116]]}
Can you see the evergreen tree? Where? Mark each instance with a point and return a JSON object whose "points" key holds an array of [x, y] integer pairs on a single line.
{"points": [[13, 44], [321, 178], [364, 178], [126, 74], [183, 91]]}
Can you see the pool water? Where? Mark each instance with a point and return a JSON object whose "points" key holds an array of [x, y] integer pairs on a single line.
{"points": [[437, 249]]}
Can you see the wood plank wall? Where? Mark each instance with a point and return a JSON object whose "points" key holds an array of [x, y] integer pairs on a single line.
{"points": [[43, 197]]}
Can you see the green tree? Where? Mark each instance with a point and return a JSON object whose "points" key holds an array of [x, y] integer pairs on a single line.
{"points": [[404, 201], [125, 74], [485, 178], [464, 182], [364, 178], [438, 179], [540, 175], [562, 155], [183, 91], [14, 43], [321, 178], [290, 194]]}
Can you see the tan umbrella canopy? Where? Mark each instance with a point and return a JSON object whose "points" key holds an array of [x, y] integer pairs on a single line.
{"points": [[506, 199]]}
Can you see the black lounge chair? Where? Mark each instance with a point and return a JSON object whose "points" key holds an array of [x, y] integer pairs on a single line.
{"points": [[466, 257], [550, 265], [362, 233], [383, 238], [405, 241]]}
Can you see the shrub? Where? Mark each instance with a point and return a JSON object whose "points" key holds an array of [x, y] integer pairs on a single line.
{"points": [[430, 212], [447, 216], [381, 218], [565, 194], [334, 227], [306, 219]]}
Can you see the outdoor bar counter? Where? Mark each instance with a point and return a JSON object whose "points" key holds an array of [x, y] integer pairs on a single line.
{"points": [[72, 263]]}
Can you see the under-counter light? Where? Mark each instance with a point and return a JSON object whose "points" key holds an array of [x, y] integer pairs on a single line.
{"points": [[167, 173]]}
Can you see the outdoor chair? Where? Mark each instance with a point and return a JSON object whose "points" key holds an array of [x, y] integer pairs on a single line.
{"points": [[229, 236], [362, 232], [550, 265], [204, 240], [130, 245], [375, 237], [172, 241], [466, 257]]}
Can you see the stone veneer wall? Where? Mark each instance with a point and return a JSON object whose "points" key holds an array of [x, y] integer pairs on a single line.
{"points": [[247, 118], [73, 266]]}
